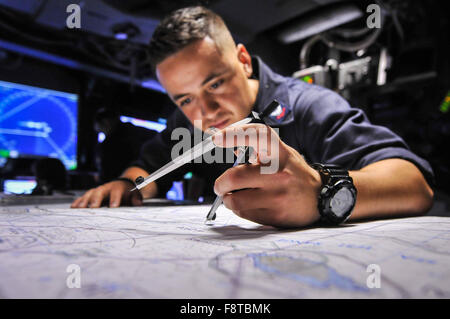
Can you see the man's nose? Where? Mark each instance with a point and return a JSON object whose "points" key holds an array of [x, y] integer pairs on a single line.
{"points": [[208, 106]]}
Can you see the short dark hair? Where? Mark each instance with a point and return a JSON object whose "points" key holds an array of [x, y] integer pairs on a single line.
{"points": [[181, 28]]}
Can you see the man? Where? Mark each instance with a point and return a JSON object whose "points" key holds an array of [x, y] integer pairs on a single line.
{"points": [[212, 79]]}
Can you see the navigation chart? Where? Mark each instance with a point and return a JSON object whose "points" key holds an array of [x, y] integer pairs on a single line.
{"points": [[168, 252]]}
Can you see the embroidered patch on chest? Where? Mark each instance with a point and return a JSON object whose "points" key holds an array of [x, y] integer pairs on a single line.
{"points": [[280, 113]]}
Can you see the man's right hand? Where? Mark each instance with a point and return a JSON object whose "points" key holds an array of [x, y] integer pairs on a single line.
{"points": [[114, 193]]}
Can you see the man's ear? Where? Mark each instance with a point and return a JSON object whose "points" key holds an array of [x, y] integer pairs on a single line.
{"points": [[245, 59]]}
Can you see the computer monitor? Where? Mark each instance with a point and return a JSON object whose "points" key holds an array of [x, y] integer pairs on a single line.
{"points": [[36, 122], [18, 186]]}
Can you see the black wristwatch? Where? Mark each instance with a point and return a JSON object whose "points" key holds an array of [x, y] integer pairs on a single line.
{"points": [[337, 196]]}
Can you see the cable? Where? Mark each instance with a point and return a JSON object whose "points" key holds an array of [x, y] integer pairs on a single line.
{"points": [[306, 49], [349, 33], [330, 39], [350, 47]]}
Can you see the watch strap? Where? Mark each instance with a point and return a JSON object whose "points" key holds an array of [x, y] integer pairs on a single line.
{"points": [[330, 173]]}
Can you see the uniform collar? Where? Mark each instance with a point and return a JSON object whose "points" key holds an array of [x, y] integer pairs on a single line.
{"points": [[262, 73], [269, 81]]}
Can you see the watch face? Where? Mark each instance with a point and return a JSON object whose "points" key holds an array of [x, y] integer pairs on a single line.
{"points": [[341, 202]]}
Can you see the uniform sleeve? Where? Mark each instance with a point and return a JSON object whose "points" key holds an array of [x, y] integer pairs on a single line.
{"points": [[157, 152], [332, 132]]}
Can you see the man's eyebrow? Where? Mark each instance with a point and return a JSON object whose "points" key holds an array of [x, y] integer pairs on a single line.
{"points": [[212, 76], [208, 78], [179, 96]]}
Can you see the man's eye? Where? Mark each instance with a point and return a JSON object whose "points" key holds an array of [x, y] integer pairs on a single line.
{"points": [[216, 84], [185, 101]]}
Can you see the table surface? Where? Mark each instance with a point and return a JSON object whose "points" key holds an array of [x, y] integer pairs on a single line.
{"points": [[168, 252]]}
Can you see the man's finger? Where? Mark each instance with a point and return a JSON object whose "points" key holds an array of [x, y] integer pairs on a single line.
{"points": [[84, 203], [83, 200], [257, 215], [97, 198], [250, 199], [76, 202], [115, 197], [245, 176], [266, 216]]}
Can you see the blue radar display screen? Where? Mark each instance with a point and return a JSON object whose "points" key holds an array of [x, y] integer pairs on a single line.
{"points": [[38, 122]]}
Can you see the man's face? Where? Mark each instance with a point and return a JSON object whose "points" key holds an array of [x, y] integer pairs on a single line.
{"points": [[210, 84]]}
